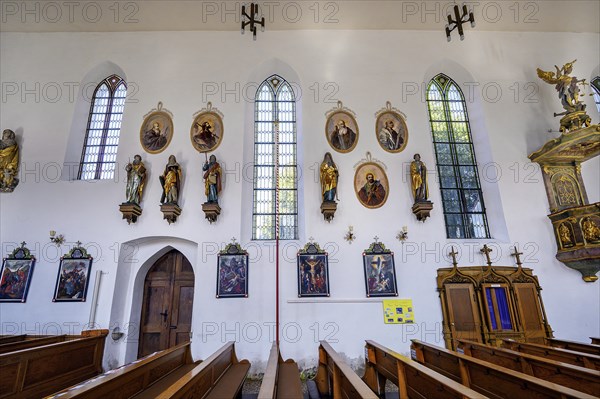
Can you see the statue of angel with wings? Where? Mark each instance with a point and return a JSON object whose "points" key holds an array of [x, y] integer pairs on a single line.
{"points": [[567, 87]]}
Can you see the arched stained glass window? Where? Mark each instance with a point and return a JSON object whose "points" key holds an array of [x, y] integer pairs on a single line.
{"points": [[99, 153], [275, 208], [596, 89], [464, 209]]}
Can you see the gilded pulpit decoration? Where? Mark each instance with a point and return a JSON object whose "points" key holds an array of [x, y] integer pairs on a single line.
{"points": [[328, 174], [9, 161], [170, 181], [420, 189], [567, 86], [212, 188], [134, 189], [565, 232], [591, 231], [572, 216]]}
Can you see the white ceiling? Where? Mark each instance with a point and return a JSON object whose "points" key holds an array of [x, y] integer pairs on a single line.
{"points": [[180, 15]]}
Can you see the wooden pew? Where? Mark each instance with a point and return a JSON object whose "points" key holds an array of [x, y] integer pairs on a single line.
{"points": [[220, 376], [32, 342], [487, 378], [560, 355], [141, 377], [412, 379], [281, 379], [575, 377], [574, 346], [6, 339], [595, 340], [336, 379], [35, 372]]}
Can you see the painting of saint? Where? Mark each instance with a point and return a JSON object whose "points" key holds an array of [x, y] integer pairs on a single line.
{"points": [[156, 132], [73, 280], [371, 185], [14, 279], [232, 276], [380, 274], [341, 130], [206, 132], [313, 275], [391, 131]]}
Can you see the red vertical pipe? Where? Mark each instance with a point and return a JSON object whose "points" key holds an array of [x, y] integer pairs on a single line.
{"points": [[277, 231]]}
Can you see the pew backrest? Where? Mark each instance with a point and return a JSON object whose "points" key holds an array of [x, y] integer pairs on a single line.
{"points": [[412, 379], [487, 378], [574, 346], [336, 379], [268, 387], [205, 377], [595, 340], [132, 378], [561, 355], [32, 342], [568, 375], [39, 371]]}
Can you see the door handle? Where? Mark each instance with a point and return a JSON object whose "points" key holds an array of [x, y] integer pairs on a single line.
{"points": [[173, 327], [165, 314]]}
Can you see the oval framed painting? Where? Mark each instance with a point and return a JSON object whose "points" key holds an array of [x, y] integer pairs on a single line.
{"points": [[371, 185], [341, 131], [156, 131], [206, 132], [391, 131]]}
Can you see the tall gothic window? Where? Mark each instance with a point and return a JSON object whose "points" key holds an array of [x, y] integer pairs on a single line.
{"points": [[275, 208], [464, 209], [596, 89], [99, 153]]}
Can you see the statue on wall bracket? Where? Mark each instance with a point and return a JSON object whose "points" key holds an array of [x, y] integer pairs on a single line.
{"points": [[328, 174], [170, 181], [9, 161], [575, 116], [420, 189], [212, 188], [134, 190]]}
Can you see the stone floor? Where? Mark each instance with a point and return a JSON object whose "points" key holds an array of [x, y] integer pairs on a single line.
{"points": [[252, 386]]}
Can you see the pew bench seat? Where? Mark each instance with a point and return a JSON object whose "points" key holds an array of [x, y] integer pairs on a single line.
{"points": [[159, 386], [230, 384], [288, 381]]}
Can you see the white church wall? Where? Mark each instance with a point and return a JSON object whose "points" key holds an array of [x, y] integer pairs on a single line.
{"points": [[364, 69]]}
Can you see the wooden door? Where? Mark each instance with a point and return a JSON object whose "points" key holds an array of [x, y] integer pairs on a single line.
{"points": [[167, 305], [532, 318], [463, 313]]}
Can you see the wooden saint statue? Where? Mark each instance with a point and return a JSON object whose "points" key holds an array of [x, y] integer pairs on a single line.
{"points": [[9, 162]]}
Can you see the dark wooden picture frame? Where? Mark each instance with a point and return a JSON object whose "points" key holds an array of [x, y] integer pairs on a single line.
{"points": [[232, 272], [15, 278], [380, 271], [73, 276], [313, 272]]}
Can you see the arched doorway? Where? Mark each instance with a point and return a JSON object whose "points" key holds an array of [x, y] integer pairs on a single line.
{"points": [[166, 318]]}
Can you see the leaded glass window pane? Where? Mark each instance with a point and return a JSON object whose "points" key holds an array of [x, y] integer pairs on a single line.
{"points": [[99, 154], [275, 165], [464, 210]]}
